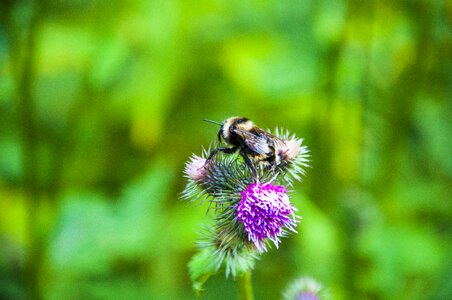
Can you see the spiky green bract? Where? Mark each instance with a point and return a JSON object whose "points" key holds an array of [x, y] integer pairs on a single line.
{"points": [[306, 288]]}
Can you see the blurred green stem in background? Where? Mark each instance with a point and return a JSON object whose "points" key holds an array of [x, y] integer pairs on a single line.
{"points": [[245, 286], [27, 117]]}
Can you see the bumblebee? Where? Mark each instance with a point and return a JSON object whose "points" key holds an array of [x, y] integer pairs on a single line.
{"points": [[252, 142]]}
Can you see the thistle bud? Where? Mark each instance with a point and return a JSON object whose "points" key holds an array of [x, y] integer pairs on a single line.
{"points": [[306, 288], [195, 168], [289, 150]]}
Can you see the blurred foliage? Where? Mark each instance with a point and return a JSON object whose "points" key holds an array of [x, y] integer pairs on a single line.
{"points": [[101, 103]]}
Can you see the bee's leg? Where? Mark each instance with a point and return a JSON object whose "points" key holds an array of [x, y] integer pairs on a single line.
{"points": [[274, 163], [249, 163], [269, 162], [215, 151]]}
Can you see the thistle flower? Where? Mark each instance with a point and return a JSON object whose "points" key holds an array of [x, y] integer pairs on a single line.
{"points": [[265, 211], [249, 211], [306, 288]]}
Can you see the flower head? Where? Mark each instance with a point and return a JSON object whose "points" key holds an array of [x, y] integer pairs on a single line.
{"points": [[265, 211], [247, 214], [306, 288], [195, 168], [289, 150]]}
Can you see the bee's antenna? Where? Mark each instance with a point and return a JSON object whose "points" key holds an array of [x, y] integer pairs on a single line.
{"points": [[210, 121]]}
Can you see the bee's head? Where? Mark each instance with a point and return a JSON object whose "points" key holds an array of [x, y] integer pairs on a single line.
{"points": [[231, 124]]}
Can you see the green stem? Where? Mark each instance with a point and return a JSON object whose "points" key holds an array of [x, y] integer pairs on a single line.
{"points": [[245, 287]]}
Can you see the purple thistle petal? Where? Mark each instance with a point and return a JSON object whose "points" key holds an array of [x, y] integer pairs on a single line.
{"points": [[265, 211], [307, 295]]}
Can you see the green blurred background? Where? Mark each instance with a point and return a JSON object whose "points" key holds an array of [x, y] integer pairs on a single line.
{"points": [[101, 104]]}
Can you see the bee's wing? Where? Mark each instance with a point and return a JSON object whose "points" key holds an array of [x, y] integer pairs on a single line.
{"points": [[271, 139], [280, 143], [258, 142]]}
